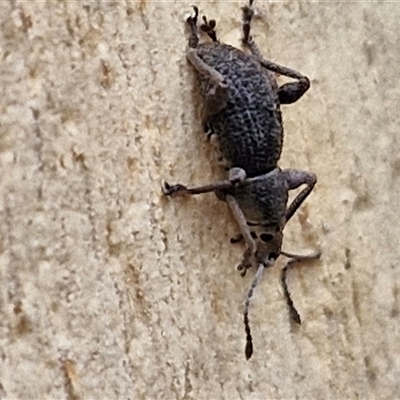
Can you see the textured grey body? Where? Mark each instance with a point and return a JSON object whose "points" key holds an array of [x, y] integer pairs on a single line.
{"points": [[242, 108], [248, 121]]}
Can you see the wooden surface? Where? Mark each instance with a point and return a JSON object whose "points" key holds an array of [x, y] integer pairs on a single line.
{"points": [[109, 290]]}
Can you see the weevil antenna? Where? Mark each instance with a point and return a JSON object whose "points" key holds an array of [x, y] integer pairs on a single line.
{"points": [[249, 295]]}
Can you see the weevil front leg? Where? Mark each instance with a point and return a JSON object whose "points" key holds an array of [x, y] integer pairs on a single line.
{"points": [[294, 259], [247, 39], [237, 177], [294, 179], [179, 189], [192, 22], [289, 92], [215, 77]]}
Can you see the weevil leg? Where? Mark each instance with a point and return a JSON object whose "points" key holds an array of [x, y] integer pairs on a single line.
{"points": [[237, 238], [217, 88], [237, 177], [216, 96], [251, 247], [192, 22], [294, 179], [247, 39], [215, 77], [294, 259], [178, 189], [209, 28], [289, 92], [292, 91], [280, 69]]}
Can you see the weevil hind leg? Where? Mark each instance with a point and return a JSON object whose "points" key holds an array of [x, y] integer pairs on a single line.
{"points": [[247, 39], [294, 258], [216, 89], [292, 91], [289, 92], [192, 22], [295, 178]]}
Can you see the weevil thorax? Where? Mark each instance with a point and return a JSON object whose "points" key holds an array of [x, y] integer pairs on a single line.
{"points": [[264, 205]]}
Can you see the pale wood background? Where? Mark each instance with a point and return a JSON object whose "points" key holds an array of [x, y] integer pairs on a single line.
{"points": [[108, 290]]}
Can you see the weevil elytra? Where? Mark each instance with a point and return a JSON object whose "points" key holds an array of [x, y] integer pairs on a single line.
{"points": [[242, 108]]}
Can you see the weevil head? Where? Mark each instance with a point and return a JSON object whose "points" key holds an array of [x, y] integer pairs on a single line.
{"points": [[269, 243], [264, 205]]}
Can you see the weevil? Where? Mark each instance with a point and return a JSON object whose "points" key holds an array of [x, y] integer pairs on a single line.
{"points": [[242, 108]]}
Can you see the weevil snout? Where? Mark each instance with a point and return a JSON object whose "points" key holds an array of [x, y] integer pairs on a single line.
{"points": [[269, 245]]}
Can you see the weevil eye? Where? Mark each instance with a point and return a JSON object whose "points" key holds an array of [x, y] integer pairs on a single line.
{"points": [[266, 237], [273, 256]]}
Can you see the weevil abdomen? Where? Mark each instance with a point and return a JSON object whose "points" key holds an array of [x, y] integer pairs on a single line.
{"points": [[248, 120]]}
